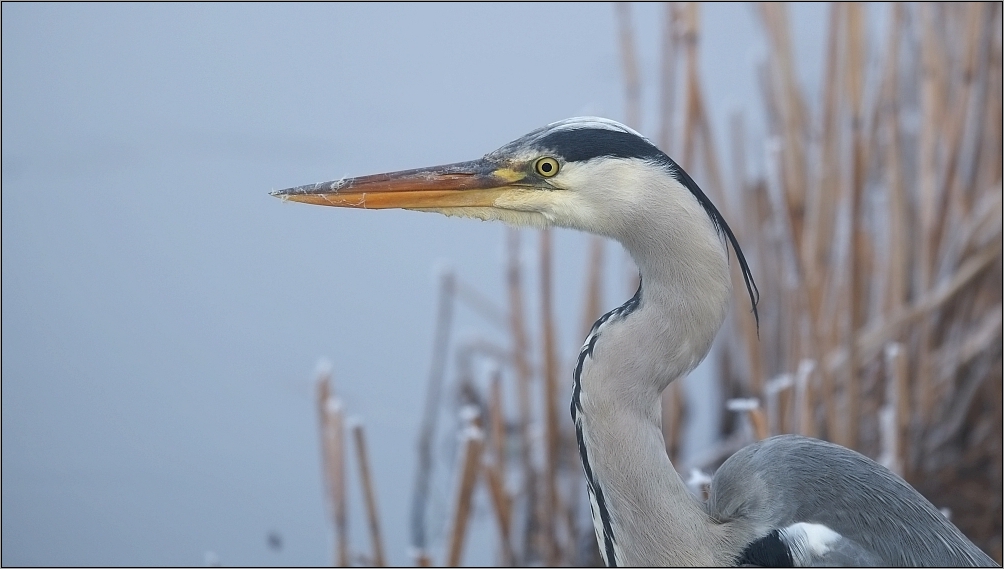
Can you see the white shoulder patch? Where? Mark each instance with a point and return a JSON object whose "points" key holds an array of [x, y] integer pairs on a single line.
{"points": [[808, 541]]}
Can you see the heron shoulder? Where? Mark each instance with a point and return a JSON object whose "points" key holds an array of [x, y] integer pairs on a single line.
{"points": [[788, 479]]}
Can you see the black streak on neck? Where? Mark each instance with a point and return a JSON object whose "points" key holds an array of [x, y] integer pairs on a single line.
{"points": [[576, 409]]}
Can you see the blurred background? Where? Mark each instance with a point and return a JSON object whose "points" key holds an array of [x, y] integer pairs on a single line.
{"points": [[173, 336]]}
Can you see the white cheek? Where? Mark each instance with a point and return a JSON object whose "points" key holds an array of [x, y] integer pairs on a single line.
{"points": [[603, 195]]}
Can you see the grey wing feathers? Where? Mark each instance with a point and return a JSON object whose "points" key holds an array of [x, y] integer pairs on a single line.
{"points": [[788, 479]]}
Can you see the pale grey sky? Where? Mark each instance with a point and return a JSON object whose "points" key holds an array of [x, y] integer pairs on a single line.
{"points": [[162, 315]]}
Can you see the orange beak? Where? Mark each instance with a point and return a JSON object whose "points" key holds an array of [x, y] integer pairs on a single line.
{"points": [[477, 183]]}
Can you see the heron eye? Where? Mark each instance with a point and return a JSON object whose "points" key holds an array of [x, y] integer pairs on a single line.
{"points": [[546, 167]]}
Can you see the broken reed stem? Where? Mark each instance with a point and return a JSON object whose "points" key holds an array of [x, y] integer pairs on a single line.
{"points": [[472, 441], [369, 495]]}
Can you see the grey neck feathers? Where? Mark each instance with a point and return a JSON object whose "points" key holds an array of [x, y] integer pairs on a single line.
{"points": [[630, 358]]}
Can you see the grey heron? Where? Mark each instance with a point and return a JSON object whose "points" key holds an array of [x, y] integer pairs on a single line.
{"points": [[788, 500]]}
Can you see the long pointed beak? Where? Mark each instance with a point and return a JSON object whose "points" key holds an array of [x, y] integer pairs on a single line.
{"points": [[477, 183]]}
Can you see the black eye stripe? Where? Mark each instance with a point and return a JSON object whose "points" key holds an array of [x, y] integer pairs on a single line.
{"points": [[580, 145]]}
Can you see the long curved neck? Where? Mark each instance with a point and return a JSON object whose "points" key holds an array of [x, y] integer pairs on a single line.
{"points": [[643, 512]]}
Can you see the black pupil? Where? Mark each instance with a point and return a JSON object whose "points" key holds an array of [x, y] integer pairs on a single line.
{"points": [[545, 167]]}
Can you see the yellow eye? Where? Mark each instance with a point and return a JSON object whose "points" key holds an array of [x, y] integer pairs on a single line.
{"points": [[546, 167]]}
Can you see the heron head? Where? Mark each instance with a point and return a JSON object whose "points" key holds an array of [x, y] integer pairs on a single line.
{"points": [[584, 173]]}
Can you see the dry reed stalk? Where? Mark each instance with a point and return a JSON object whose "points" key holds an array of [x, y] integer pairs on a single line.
{"points": [[897, 398], [494, 463], [757, 419], [524, 377], [369, 495], [818, 252], [858, 259], [501, 507], [804, 418], [898, 275], [322, 393], [870, 341], [667, 83], [323, 382], [629, 63], [775, 404], [898, 251], [759, 422], [948, 202], [549, 381], [430, 415], [791, 115], [334, 438], [472, 441], [697, 127], [496, 421], [749, 222], [691, 110], [494, 469], [932, 105]]}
